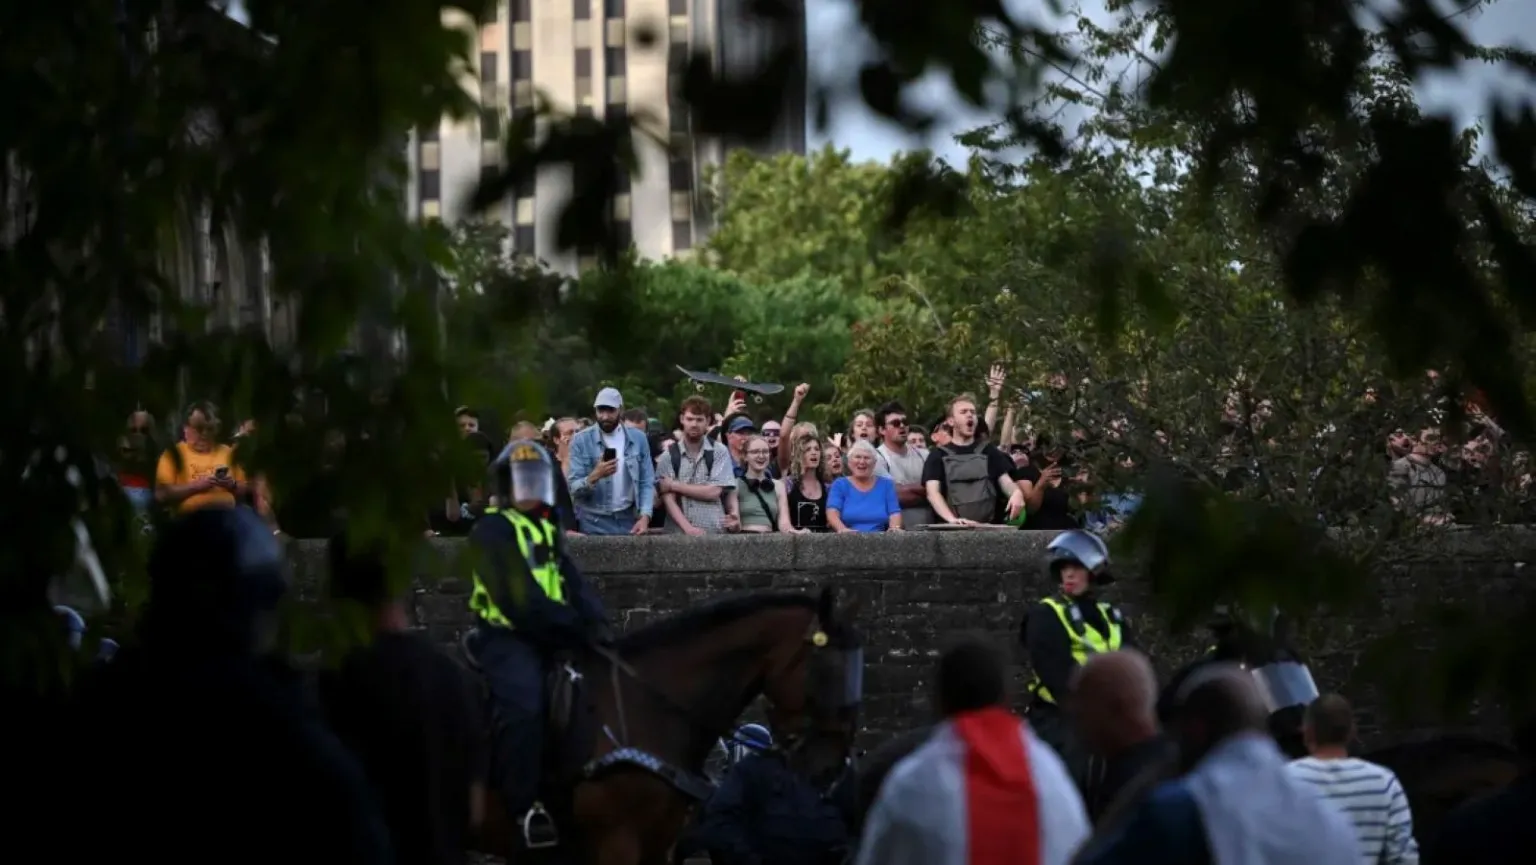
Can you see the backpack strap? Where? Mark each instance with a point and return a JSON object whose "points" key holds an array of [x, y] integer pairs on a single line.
{"points": [[709, 461], [771, 510]]}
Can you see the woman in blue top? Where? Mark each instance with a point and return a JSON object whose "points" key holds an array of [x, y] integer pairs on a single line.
{"points": [[862, 502]]}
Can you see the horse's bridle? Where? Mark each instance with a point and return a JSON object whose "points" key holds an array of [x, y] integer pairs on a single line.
{"points": [[844, 692]]}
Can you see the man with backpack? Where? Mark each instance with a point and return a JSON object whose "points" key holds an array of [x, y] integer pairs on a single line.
{"points": [[965, 478], [697, 478]]}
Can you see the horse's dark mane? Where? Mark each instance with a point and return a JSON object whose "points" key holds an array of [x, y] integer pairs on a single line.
{"points": [[676, 629]]}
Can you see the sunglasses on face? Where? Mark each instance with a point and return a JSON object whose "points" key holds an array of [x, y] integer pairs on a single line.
{"points": [[897, 422]]}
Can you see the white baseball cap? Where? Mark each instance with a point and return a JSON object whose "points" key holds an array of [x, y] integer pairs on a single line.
{"points": [[608, 397]]}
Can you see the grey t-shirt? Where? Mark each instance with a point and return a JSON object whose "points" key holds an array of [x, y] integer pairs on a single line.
{"points": [[905, 468]]}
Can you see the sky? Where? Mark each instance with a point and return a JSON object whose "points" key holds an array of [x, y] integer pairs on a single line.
{"points": [[837, 48]]}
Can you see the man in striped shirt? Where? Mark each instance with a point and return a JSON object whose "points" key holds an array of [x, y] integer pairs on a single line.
{"points": [[1368, 794]]}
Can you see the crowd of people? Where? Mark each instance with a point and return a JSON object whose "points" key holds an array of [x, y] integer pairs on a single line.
{"points": [[624, 472], [708, 471]]}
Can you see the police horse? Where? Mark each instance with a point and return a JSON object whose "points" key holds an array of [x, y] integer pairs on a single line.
{"points": [[630, 730], [1437, 774]]}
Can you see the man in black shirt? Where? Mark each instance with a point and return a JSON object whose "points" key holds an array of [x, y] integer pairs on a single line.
{"points": [[1042, 477], [1114, 708], [967, 478], [409, 714]]}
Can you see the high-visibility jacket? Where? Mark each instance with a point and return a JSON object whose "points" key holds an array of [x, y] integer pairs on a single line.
{"points": [[536, 544], [1085, 640]]}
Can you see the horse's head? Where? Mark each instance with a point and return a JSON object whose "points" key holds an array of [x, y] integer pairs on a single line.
{"points": [[815, 695], [800, 652]]}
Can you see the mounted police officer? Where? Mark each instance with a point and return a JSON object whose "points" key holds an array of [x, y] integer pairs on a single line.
{"points": [[1061, 631], [531, 602]]}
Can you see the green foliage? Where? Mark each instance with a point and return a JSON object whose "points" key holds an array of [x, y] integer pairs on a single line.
{"points": [[516, 327]]}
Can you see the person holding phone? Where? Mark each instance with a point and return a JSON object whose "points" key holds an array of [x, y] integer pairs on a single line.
{"points": [[199, 472], [610, 472], [1045, 496]]}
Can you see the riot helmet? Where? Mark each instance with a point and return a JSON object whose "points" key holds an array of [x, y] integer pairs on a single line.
{"points": [[73, 622], [527, 474], [1080, 548], [747, 740]]}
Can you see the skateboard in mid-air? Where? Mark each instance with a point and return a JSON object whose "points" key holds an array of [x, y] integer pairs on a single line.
{"points": [[700, 379]]}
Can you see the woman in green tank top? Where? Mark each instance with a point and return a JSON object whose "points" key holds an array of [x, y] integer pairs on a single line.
{"points": [[764, 507]]}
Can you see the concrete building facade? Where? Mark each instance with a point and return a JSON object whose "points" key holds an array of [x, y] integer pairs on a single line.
{"points": [[588, 57]]}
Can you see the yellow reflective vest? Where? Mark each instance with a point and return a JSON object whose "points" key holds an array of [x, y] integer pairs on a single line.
{"points": [[536, 542], [1085, 640]]}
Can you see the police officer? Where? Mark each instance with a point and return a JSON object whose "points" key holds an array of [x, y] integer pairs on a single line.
{"points": [[767, 813], [531, 602], [1061, 631], [748, 739]]}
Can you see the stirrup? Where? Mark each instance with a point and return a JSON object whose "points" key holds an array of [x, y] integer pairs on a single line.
{"points": [[539, 828]]}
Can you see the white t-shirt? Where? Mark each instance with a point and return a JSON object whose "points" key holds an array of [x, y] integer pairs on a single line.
{"points": [[623, 496], [905, 468]]}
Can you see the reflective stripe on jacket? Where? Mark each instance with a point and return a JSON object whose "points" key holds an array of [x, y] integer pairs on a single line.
{"points": [[536, 544], [1085, 640]]}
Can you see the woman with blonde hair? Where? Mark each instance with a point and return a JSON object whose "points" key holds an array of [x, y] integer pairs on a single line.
{"points": [[805, 491]]}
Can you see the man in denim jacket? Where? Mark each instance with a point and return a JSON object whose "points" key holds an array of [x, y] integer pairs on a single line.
{"points": [[612, 496]]}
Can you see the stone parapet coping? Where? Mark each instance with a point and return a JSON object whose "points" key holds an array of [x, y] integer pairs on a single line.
{"points": [[917, 550]]}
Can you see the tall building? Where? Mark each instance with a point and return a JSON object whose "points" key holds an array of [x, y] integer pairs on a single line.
{"points": [[586, 56]]}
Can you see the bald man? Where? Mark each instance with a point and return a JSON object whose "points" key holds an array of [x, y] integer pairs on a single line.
{"points": [[1114, 705], [1237, 804]]}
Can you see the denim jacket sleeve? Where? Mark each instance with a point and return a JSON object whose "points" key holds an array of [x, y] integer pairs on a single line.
{"points": [[583, 461], [645, 490]]}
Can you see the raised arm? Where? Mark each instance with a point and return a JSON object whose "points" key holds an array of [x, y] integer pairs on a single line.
{"points": [[791, 416]]}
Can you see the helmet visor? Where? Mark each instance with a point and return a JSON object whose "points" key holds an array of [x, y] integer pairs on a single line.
{"points": [[1285, 684], [532, 481]]}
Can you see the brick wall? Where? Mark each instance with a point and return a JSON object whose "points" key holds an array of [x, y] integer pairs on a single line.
{"points": [[916, 588]]}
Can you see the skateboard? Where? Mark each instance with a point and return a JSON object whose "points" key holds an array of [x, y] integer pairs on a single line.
{"points": [[700, 379]]}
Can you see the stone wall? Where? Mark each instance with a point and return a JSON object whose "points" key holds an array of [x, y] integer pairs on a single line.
{"points": [[916, 588]]}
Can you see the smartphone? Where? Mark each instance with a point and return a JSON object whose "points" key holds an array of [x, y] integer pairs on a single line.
{"points": [[221, 472], [609, 455], [738, 396]]}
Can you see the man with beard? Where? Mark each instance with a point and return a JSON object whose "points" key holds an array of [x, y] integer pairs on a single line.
{"points": [[610, 473]]}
